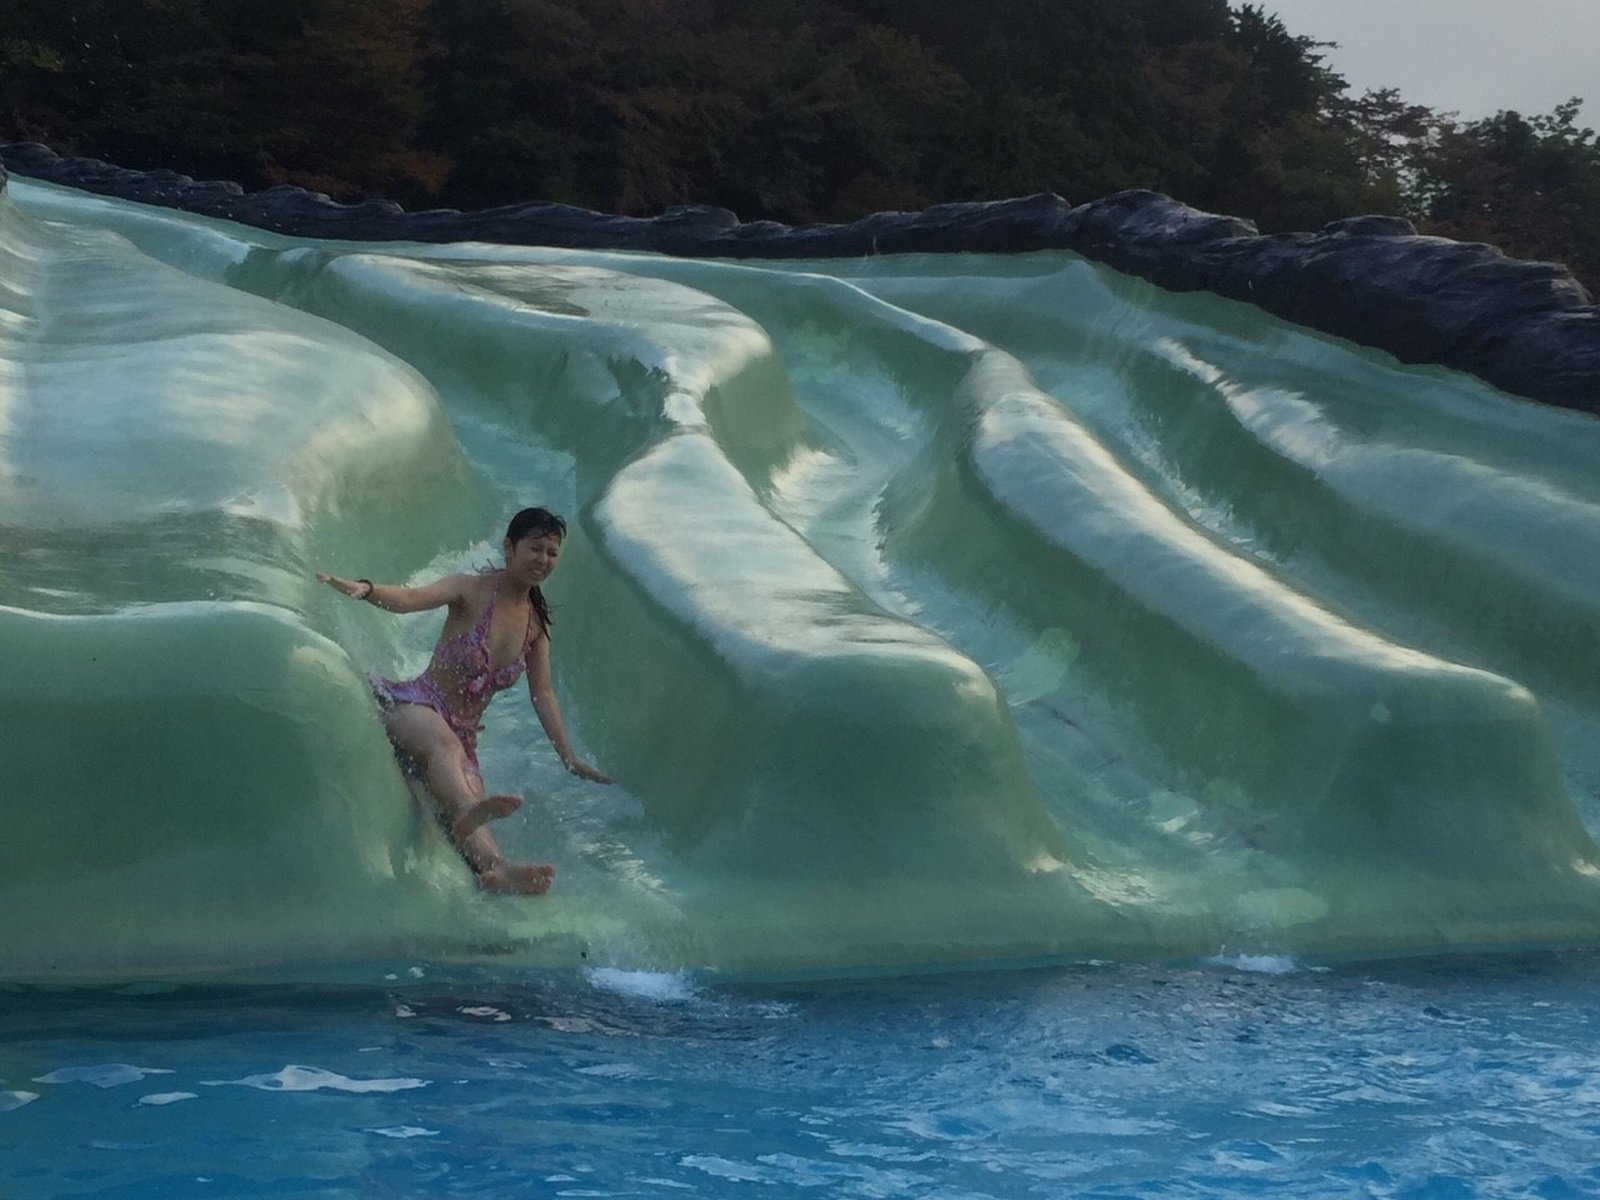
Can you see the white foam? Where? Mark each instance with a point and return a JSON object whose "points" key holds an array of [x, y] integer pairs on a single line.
{"points": [[294, 1078], [486, 1011], [167, 1097], [102, 1075], [656, 986], [1255, 964]]}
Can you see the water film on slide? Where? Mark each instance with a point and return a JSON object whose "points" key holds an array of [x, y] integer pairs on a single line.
{"points": [[930, 611]]}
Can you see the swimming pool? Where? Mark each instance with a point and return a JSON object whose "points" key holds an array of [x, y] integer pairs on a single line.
{"points": [[1419, 1078]]}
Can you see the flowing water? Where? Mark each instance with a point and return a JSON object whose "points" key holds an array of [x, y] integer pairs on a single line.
{"points": [[1158, 666]]}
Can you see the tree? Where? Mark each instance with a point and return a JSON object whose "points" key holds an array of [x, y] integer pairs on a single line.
{"points": [[1387, 135], [1530, 185], [330, 95], [22, 63], [1288, 69], [513, 89]]}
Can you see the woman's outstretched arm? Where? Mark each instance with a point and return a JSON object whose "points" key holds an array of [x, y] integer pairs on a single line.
{"points": [[543, 694], [392, 596]]}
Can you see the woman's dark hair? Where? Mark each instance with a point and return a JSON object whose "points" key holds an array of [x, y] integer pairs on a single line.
{"points": [[536, 522]]}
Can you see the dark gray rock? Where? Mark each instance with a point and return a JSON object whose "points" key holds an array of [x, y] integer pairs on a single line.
{"points": [[1527, 327], [1373, 226]]}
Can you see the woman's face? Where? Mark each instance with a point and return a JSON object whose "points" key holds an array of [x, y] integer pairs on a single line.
{"points": [[531, 559]]}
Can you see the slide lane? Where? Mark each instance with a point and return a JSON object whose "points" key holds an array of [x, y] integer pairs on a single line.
{"points": [[1454, 516], [1508, 562], [1340, 742], [200, 786], [193, 777], [203, 443]]}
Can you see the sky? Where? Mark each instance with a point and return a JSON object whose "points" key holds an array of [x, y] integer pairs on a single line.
{"points": [[1474, 57]]}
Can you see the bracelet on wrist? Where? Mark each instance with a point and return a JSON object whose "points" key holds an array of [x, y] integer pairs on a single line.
{"points": [[371, 587]]}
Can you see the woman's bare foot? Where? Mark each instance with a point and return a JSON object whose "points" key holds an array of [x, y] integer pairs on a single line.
{"points": [[491, 808], [527, 879]]}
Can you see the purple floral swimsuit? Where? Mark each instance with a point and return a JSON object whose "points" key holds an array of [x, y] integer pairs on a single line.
{"points": [[464, 660]]}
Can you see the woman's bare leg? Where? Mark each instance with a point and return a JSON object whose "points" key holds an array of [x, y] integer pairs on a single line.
{"points": [[495, 873], [458, 790], [488, 808]]}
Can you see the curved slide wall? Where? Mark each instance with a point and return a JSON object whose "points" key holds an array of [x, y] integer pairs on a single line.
{"points": [[929, 611]]}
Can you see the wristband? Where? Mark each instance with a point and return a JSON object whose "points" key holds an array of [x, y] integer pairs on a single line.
{"points": [[371, 587]]}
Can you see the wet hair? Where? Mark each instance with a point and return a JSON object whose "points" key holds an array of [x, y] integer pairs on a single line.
{"points": [[536, 522]]}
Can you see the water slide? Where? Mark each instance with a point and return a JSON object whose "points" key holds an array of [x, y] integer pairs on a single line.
{"points": [[931, 611]]}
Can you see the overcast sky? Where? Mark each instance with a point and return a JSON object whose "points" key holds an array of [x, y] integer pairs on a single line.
{"points": [[1471, 56]]}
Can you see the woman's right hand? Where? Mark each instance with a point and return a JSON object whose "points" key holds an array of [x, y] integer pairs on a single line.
{"points": [[356, 589], [584, 771]]}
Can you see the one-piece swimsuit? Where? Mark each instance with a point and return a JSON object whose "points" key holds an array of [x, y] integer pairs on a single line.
{"points": [[465, 658]]}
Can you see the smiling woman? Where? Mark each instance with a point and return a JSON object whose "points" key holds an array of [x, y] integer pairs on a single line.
{"points": [[497, 629]]}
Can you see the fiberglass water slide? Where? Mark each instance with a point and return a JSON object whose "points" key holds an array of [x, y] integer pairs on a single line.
{"points": [[930, 610]]}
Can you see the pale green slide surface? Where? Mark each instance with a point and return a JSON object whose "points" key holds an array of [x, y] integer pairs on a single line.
{"points": [[930, 611]]}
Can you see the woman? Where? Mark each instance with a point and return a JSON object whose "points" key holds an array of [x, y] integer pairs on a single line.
{"points": [[497, 628]]}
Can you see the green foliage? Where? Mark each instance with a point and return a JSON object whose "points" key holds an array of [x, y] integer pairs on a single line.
{"points": [[797, 110], [1287, 70], [1528, 185], [324, 93]]}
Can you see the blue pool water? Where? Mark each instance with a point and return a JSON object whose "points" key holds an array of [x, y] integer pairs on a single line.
{"points": [[1244, 1077]]}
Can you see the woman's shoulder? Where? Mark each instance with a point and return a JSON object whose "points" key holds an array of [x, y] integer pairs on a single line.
{"points": [[476, 588], [461, 593]]}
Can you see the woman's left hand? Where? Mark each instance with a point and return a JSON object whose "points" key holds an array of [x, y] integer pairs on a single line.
{"points": [[584, 771]]}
